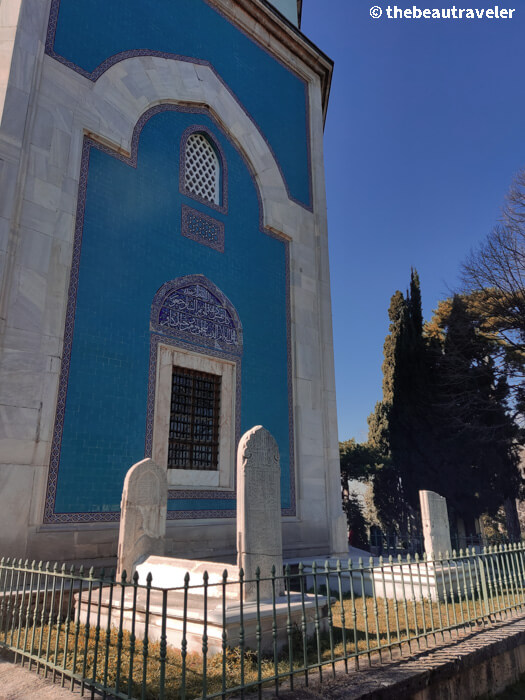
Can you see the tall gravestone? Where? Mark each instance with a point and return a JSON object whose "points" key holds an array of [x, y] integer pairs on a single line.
{"points": [[259, 532], [142, 516], [436, 528]]}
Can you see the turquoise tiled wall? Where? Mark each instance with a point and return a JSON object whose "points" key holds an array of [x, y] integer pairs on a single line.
{"points": [[131, 245], [90, 31]]}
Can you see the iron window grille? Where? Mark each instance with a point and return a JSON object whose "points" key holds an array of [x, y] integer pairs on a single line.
{"points": [[193, 441]]}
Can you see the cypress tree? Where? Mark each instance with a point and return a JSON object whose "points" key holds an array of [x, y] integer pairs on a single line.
{"points": [[411, 420], [443, 422], [389, 498]]}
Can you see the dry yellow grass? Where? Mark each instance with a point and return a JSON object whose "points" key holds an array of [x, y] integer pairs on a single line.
{"points": [[378, 625]]}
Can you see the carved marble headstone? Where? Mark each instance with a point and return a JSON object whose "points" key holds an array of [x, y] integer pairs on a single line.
{"points": [[259, 532], [142, 516], [436, 529]]}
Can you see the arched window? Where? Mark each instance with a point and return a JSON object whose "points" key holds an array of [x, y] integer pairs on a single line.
{"points": [[202, 171]]}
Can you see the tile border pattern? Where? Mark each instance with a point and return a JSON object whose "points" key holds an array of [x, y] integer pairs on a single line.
{"points": [[123, 55], [50, 516]]}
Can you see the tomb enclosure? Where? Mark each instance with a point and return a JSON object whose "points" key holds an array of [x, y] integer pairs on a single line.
{"points": [[216, 598]]}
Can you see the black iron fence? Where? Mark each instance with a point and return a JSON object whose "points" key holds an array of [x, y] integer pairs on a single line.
{"points": [[214, 637]]}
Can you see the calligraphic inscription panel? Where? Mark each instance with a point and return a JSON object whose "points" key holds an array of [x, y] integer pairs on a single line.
{"points": [[194, 311]]}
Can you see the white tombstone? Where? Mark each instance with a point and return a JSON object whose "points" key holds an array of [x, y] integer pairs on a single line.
{"points": [[259, 531], [436, 529], [142, 516]]}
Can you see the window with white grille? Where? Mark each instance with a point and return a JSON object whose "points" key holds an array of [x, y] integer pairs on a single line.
{"points": [[201, 169]]}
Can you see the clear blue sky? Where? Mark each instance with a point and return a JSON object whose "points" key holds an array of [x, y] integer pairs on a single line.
{"points": [[425, 130]]}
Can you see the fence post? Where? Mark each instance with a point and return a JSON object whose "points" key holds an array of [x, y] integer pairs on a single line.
{"points": [[225, 634], [330, 615], [205, 578], [342, 612], [304, 624], [274, 634], [184, 642], [108, 628], [483, 581], [258, 637], [317, 621], [120, 634], [132, 636], [289, 629], [163, 646]]}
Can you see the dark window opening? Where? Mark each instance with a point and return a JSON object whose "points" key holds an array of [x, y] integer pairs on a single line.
{"points": [[194, 420]]}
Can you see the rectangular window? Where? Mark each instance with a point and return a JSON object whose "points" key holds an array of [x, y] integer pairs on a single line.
{"points": [[194, 420]]}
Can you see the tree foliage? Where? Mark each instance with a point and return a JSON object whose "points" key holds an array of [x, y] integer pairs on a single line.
{"points": [[477, 434], [494, 282], [366, 462], [358, 460], [444, 422], [392, 431], [491, 330], [357, 528], [497, 267], [411, 424], [358, 463], [398, 427]]}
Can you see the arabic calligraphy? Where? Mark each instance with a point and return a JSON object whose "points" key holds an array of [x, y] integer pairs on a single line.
{"points": [[195, 310]]}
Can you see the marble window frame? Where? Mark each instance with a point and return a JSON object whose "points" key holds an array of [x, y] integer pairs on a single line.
{"points": [[168, 357]]}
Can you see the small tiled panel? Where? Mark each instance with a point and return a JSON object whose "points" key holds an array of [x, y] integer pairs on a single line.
{"points": [[202, 228]]}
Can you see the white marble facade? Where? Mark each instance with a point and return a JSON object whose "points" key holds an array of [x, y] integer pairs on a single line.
{"points": [[45, 111]]}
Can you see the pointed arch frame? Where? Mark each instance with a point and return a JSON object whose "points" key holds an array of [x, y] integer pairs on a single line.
{"points": [[50, 516]]}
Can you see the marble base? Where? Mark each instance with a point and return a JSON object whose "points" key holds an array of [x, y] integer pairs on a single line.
{"points": [[411, 581], [222, 616]]}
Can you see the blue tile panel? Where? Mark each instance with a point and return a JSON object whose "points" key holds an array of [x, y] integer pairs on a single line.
{"points": [[132, 245], [89, 32]]}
